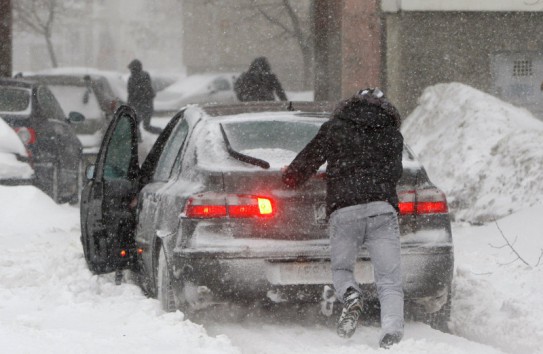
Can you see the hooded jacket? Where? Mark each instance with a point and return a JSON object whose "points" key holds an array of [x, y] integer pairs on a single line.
{"points": [[259, 83], [140, 89], [363, 147]]}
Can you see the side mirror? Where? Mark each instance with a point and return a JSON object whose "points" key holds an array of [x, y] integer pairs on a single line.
{"points": [[89, 172], [76, 117]]}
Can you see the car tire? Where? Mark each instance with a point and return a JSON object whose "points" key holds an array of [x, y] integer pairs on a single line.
{"points": [[437, 320], [165, 291]]}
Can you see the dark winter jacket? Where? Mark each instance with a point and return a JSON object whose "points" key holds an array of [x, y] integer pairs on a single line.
{"points": [[363, 147], [140, 90], [259, 83]]}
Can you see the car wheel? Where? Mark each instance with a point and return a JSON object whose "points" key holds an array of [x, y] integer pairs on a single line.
{"points": [[437, 320], [165, 291], [440, 319]]}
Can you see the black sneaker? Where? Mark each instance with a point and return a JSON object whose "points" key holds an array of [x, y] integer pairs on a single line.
{"points": [[352, 309], [390, 339]]}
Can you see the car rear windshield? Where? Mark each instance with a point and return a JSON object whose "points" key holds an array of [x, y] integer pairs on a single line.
{"points": [[275, 141], [292, 136], [14, 100], [79, 99]]}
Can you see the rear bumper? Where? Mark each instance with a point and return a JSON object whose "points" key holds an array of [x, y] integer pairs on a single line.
{"points": [[17, 181], [426, 271]]}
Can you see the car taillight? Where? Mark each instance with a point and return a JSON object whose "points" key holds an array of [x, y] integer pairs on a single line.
{"points": [[218, 205], [27, 135], [113, 105], [422, 201]]}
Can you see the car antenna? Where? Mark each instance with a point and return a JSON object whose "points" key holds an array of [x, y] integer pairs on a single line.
{"points": [[290, 108]]}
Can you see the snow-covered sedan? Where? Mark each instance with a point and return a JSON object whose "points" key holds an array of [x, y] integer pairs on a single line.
{"points": [[15, 167], [196, 89], [206, 219]]}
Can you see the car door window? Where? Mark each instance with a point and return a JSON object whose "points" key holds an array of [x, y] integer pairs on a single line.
{"points": [[170, 152], [49, 105], [221, 84], [119, 151]]}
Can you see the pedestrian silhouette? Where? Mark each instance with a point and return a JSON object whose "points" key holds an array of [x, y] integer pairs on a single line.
{"points": [[259, 83], [141, 94]]}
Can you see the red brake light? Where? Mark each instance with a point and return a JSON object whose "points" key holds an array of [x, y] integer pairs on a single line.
{"points": [[422, 201], [27, 135], [217, 205]]}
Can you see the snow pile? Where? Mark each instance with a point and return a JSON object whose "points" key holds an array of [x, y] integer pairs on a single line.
{"points": [[497, 297], [51, 303], [484, 153], [10, 144]]}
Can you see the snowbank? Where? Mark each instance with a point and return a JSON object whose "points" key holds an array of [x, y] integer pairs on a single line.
{"points": [[484, 153]]}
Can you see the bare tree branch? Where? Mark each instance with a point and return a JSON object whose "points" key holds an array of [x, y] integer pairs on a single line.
{"points": [[39, 17], [539, 259], [511, 246]]}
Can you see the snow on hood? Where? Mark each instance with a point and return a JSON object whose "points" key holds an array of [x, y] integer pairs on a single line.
{"points": [[484, 153]]}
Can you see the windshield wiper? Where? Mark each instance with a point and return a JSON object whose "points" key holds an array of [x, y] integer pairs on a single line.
{"points": [[242, 157]]}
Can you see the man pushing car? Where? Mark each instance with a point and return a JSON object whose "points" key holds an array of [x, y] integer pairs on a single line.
{"points": [[363, 147]]}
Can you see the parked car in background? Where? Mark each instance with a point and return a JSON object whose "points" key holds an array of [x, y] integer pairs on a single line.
{"points": [[15, 168], [198, 88], [54, 150], [215, 224], [88, 92]]}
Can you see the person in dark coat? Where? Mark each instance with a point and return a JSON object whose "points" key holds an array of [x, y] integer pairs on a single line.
{"points": [[141, 94], [259, 83], [363, 147]]}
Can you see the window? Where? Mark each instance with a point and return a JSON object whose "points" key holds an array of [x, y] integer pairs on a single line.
{"points": [[522, 68], [14, 100], [221, 84], [119, 151], [286, 135], [49, 105], [171, 151]]}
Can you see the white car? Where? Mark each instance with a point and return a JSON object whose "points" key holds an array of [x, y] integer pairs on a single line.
{"points": [[14, 166], [198, 88]]}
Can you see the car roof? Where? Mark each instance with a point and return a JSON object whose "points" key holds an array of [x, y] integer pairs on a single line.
{"points": [[217, 110], [72, 80]]}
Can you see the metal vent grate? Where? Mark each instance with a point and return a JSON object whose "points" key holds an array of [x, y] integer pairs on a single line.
{"points": [[522, 68]]}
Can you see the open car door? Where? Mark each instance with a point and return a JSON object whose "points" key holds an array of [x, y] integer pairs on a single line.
{"points": [[108, 211]]}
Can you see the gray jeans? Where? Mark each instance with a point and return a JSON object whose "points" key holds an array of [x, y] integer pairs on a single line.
{"points": [[374, 225]]}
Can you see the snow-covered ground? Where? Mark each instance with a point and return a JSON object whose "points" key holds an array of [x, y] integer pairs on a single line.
{"points": [[50, 302]]}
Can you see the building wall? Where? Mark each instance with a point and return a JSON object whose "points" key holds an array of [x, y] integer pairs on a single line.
{"points": [[426, 48]]}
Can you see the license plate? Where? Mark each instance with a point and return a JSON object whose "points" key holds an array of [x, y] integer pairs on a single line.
{"points": [[292, 273]]}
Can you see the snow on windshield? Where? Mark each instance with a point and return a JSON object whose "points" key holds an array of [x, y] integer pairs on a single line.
{"points": [[276, 139]]}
